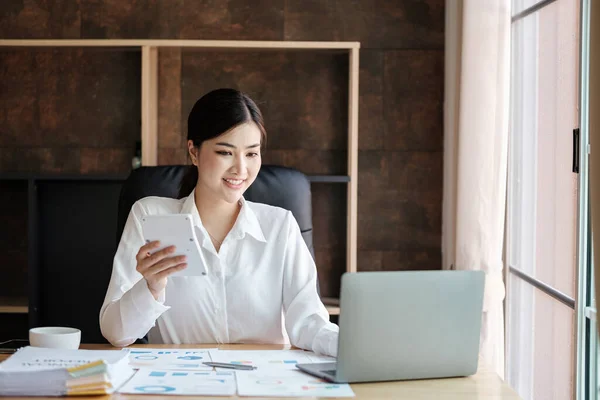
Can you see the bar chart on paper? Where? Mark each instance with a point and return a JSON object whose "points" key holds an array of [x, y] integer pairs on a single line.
{"points": [[184, 359], [191, 383], [288, 384]]}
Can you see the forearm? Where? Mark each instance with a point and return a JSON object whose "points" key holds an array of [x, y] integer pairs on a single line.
{"points": [[308, 325], [315, 334], [124, 320], [307, 319]]}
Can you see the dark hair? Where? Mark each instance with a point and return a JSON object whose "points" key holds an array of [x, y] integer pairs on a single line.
{"points": [[214, 114]]}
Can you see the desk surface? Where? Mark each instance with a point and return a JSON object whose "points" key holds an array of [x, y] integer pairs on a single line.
{"points": [[484, 385]]}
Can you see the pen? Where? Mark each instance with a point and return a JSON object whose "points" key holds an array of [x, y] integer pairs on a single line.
{"points": [[228, 365]]}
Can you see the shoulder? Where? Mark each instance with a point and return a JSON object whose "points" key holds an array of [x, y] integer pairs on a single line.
{"points": [[271, 217], [262, 210], [154, 205]]}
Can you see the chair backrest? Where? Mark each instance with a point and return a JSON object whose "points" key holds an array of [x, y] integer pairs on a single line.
{"points": [[72, 227], [275, 185]]}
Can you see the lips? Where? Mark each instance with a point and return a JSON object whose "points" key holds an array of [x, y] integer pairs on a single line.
{"points": [[234, 183]]}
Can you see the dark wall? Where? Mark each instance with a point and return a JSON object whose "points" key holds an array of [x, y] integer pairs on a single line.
{"points": [[73, 110]]}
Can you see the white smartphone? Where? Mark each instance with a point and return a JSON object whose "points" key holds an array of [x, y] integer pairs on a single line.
{"points": [[176, 230]]}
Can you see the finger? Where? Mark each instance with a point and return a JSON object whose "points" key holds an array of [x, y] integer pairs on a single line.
{"points": [[155, 258], [165, 264], [146, 249], [170, 271]]}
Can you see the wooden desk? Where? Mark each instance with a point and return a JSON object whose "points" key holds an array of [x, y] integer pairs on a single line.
{"points": [[484, 385]]}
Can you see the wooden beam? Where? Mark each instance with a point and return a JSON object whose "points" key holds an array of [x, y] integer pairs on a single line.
{"points": [[149, 106], [13, 305], [250, 44], [352, 227]]}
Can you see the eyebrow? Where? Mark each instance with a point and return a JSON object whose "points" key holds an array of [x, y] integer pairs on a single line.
{"points": [[233, 147]]}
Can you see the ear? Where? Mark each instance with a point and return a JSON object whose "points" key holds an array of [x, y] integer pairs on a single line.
{"points": [[193, 151]]}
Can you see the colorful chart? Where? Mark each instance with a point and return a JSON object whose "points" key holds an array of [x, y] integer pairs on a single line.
{"points": [[191, 383], [269, 382], [174, 359], [181, 372], [145, 358], [327, 387], [283, 362], [190, 358], [155, 389], [287, 383]]}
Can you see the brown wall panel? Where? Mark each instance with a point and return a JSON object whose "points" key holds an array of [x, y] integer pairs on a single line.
{"points": [[40, 19], [182, 19], [303, 95], [370, 260], [170, 134], [375, 23], [168, 156], [71, 110], [329, 216], [104, 160], [55, 102], [329, 235], [54, 160], [413, 259], [19, 109], [413, 93], [371, 133], [408, 259], [399, 203], [328, 162], [331, 265]]}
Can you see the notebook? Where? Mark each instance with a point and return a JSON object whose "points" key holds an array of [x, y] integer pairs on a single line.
{"points": [[35, 371]]}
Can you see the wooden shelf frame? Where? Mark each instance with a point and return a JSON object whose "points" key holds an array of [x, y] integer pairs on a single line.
{"points": [[328, 178], [214, 44], [14, 305], [149, 97], [332, 304]]}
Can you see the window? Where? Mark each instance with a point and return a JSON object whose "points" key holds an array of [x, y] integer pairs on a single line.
{"points": [[545, 200], [587, 349]]}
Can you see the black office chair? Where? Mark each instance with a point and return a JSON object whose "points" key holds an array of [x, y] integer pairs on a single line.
{"points": [[275, 185]]}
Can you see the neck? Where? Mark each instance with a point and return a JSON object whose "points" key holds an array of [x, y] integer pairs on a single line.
{"points": [[217, 216]]}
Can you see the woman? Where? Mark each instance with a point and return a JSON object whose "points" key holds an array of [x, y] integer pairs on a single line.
{"points": [[261, 282]]}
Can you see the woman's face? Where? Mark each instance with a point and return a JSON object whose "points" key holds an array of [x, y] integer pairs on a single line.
{"points": [[228, 164]]}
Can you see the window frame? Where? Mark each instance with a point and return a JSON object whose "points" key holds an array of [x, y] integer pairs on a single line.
{"points": [[585, 340]]}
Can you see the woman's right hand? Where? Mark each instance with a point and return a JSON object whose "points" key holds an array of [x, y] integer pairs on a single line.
{"points": [[156, 267]]}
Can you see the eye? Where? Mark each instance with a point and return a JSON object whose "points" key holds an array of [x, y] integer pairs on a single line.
{"points": [[253, 154], [223, 153]]}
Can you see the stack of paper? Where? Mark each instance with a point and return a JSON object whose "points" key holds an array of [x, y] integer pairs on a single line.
{"points": [[34, 371]]}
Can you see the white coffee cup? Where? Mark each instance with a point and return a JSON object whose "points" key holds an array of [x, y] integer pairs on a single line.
{"points": [[56, 337]]}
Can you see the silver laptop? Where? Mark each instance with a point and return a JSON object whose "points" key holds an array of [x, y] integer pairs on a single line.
{"points": [[406, 325]]}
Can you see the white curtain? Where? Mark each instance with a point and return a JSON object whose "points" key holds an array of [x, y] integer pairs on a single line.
{"points": [[477, 74]]}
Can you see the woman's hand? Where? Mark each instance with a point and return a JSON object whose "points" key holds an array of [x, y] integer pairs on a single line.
{"points": [[156, 267]]}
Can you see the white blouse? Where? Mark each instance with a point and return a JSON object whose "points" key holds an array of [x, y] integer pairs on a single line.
{"points": [[260, 286]]}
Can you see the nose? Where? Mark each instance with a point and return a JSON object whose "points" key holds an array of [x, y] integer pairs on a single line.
{"points": [[239, 164]]}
